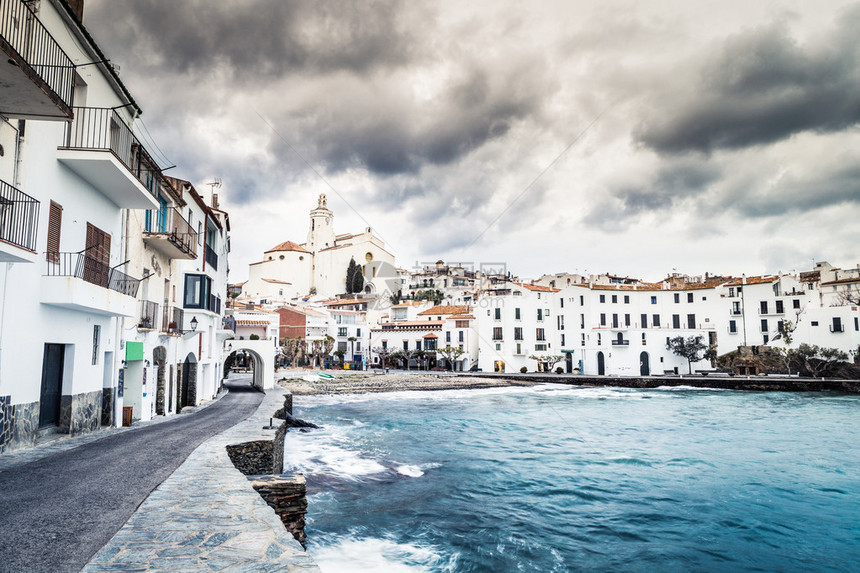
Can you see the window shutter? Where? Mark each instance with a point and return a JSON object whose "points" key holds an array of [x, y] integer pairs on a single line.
{"points": [[55, 219]]}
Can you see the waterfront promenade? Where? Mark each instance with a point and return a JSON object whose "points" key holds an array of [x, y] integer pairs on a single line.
{"points": [[62, 502]]}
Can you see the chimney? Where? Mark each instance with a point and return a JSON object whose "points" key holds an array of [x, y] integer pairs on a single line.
{"points": [[77, 7], [214, 200]]}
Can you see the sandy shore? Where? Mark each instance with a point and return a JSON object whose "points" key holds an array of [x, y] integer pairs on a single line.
{"points": [[362, 382]]}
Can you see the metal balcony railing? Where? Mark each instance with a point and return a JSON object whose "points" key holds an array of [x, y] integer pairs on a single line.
{"points": [[91, 270], [169, 221], [837, 328], [22, 30], [172, 320], [19, 217], [148, 314], [211, 258], [616, 342], [103, 129]]}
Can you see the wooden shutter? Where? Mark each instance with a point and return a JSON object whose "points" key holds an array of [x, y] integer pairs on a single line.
{"points": [[97, 256], [55, 220]]}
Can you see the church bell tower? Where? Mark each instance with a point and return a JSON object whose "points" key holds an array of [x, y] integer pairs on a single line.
{"points": [[321, 232]]}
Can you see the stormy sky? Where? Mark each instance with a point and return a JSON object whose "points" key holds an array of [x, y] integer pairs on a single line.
{"points": [[585, 136]]}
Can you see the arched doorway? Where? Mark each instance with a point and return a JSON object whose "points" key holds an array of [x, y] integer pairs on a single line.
{"points": [[188, 393], [159, 360], [601, 364], [644, 365]]}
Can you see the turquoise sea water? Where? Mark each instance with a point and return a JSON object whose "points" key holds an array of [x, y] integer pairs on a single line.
{"points": [[581, 479]]}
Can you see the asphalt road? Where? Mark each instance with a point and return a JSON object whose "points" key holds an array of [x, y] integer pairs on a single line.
{"points": [[57, 512]]}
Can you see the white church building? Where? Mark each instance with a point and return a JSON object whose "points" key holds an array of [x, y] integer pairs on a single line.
{"points": [[318, 266]]}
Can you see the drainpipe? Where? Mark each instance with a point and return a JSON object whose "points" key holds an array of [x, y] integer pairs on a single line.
{"points": [[7, 268]]}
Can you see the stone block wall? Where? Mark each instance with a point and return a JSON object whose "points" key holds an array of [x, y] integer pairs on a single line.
{"points": [[286, 494], [252, 458], [81, 413], [18, 424]]}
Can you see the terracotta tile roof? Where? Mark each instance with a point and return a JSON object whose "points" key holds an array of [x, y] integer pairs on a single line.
{"points": [[537, 288], [277, 281], [461, 317], [288, 246], [346, 302], [752, 281], [431, 335], [843, 281], [429, 324], [446, 309]]}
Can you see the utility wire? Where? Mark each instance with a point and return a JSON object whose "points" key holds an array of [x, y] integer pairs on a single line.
{"points": [[323, 179], [541, 174]]}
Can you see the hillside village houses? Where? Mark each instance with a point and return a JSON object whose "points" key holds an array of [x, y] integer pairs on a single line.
{"points": [[116, 272]]}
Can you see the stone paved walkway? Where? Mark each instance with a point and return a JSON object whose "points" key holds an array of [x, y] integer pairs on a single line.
{"points": [[207, 517]]}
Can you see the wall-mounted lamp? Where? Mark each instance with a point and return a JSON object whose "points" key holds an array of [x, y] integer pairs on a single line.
{"points": [[193, 324], [146, 363]]}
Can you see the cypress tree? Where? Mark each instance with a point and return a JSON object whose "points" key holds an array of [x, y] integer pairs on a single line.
{"points": [[350, 275], [357, 280]]}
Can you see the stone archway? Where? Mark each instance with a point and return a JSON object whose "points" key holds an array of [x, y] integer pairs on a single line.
{"points": [[262, 353], [159, 360]]}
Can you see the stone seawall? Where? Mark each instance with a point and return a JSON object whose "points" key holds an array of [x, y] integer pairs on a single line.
{"points": [[746, 383]]}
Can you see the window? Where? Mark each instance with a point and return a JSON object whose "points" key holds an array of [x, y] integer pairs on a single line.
{"points": [[561, 302], [581, 321], [779, 307], [582, 339], [519, 348], [498, 346], [357, 332], [599, 339], [461, 323], [385, 344], [795, 303], [814, 323], [655, 321], [733, 327], [736, 307], [97, 330], [603, 298], [560, 320], [689, 297], [763, 305], [837, 325], [581, 300], [417, 345], [764, 325], [780, 326], [644, 320], [562, 340], [644, 340], [677, 297], [461, 334], [517, 314], [197, 291], [55, 219], [405, 345], [497, 333], [602, 319], [540, 347], [448, 336], [97, 256], [691, 321], [614, 321], [856, 323], [540, 314], [765, 338], [614, 298], [626, 320], [498, 313], [341, 331], [731, 292], [676, 321], [653, 300], [539, 334], [626, 299]]}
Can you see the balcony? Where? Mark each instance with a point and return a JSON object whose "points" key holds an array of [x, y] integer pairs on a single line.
{"points": [[38, 76], [211, 258], [148, 315], [102, 149], [172, 320], [837, 328], [620, 342], [19, 219], [167, 232], [80, 282], [735, 312]]}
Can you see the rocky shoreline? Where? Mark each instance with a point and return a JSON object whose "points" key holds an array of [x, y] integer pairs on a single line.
{"points": [[394, 381]]}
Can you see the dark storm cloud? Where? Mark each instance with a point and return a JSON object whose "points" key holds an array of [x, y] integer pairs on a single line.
{"points": [[763, 86], [256, 39]]}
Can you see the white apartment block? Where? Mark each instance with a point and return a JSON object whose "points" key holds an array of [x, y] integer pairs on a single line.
{"points": [[92, 241]]}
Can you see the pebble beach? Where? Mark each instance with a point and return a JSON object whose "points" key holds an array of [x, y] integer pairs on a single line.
{"points": [[393, 381]]}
